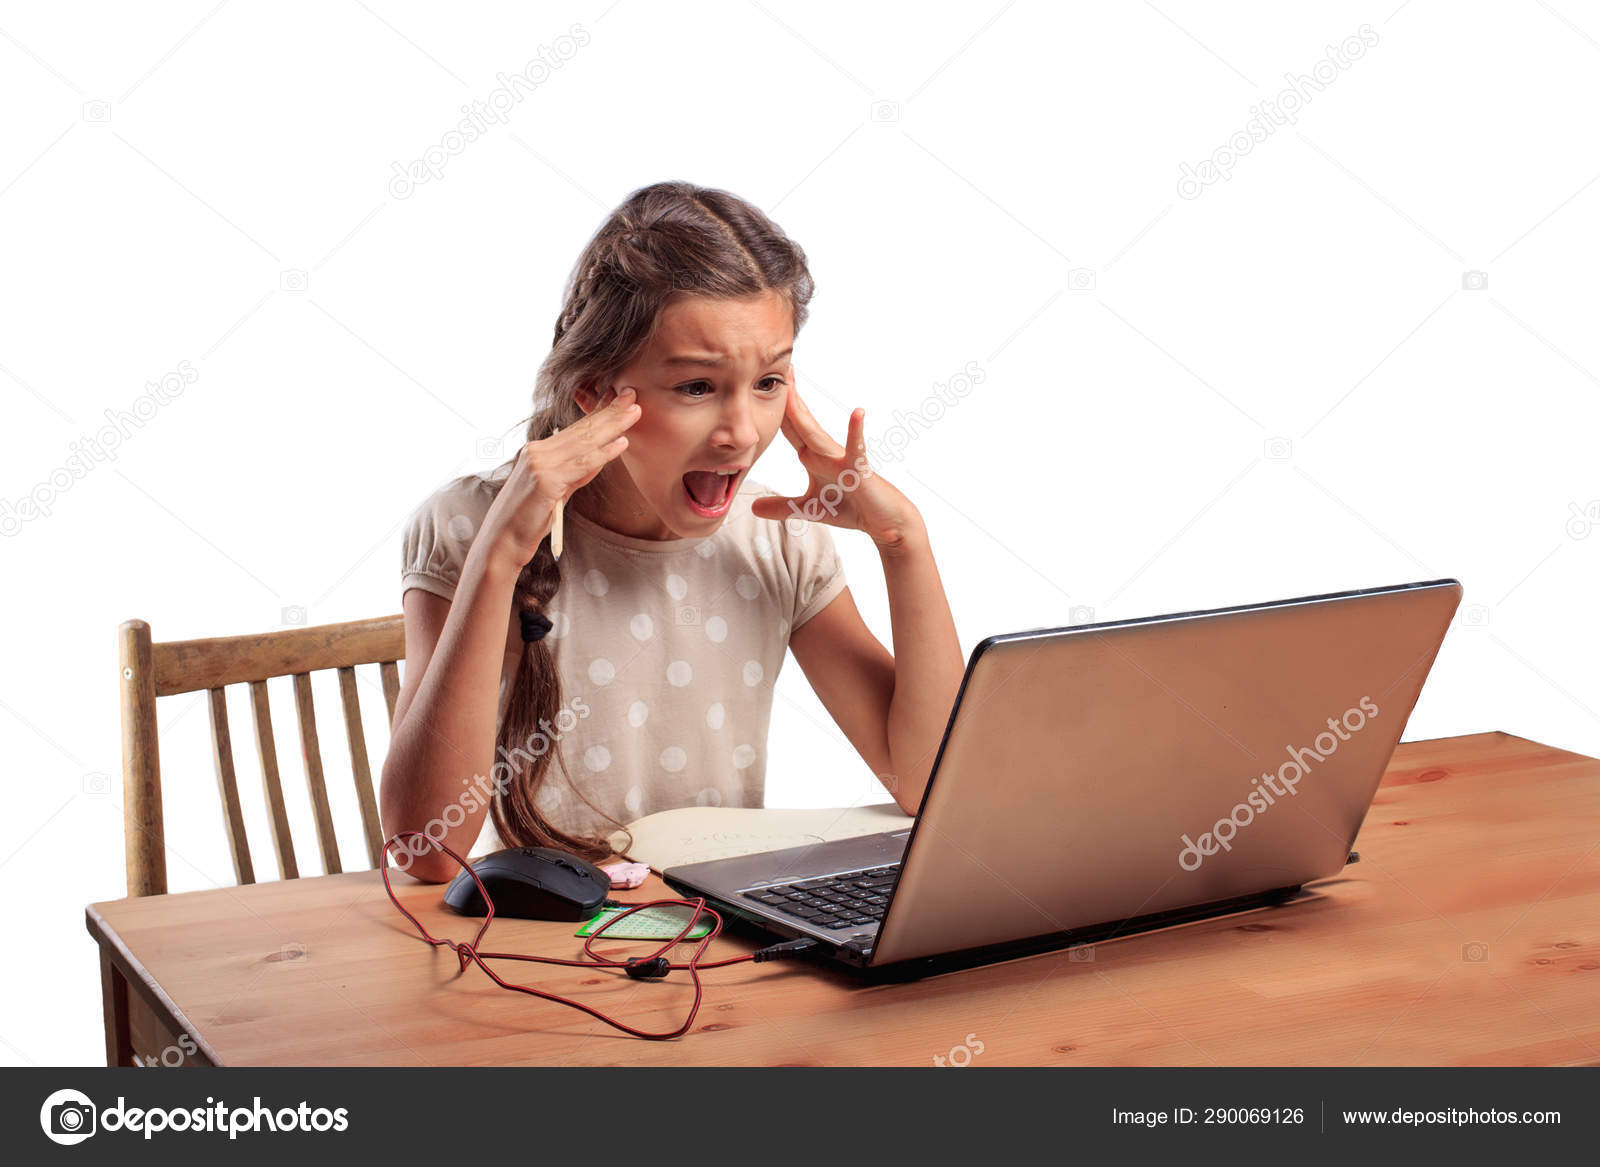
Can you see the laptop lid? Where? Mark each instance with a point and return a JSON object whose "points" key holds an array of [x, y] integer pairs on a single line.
{"points": [[1103, 772]]}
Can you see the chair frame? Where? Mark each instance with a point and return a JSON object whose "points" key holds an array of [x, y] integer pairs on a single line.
{"points": [[153, 670]]}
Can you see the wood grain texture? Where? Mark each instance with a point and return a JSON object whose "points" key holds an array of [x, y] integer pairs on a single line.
{"points": [[311, 758], [151, 670], [228, 788], [272, 785], [1469, 934], [182, 666], [144, 838], [360, 767], [389, 671]]}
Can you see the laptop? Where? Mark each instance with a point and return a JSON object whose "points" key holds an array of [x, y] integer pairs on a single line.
{"points": [[1103, 779]]}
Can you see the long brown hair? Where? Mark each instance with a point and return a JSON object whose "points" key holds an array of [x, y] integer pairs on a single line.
{"points": [[665, 242]]}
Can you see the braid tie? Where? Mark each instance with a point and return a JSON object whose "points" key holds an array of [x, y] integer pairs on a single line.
{"points": [[535, 625]]}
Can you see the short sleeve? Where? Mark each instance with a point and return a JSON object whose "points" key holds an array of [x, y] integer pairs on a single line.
{"points": [[819, 573], [439, 534]]}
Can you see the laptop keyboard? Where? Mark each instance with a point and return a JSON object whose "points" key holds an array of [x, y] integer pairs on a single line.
{"points": [[850, 899]]}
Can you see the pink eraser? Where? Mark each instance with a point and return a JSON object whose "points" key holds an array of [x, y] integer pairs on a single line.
{"points": [[626, 874]]}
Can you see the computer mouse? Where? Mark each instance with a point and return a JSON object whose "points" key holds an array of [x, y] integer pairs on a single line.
{"points": [[532, 883]]}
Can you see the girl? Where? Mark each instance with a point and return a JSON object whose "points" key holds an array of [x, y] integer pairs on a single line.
{"points": [[634, 673]]}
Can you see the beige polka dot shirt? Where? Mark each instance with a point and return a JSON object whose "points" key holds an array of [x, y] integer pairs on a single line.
{"points": [[667, 650]]}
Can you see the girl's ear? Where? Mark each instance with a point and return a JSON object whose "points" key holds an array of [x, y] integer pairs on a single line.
{"points": [[587, 398]]}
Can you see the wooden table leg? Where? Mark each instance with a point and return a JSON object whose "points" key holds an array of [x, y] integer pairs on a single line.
{"points": [[114, 996]]}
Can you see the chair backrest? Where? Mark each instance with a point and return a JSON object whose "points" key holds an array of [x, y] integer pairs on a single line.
{"points": [[152, 670]]}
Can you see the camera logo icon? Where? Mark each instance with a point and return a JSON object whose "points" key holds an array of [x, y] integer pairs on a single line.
{"points": [[294, 280], [1082, 279], [1584, 519], [885, 111], [1474, 281], [68, 1117], [489, 447]]}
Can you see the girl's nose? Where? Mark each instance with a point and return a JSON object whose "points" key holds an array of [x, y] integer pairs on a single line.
{"points": [[737, 426]]}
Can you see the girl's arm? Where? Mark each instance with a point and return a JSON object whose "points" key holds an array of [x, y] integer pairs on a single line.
{"points": [[444, 720], [457, 651], [894, 709], [928, 665]]}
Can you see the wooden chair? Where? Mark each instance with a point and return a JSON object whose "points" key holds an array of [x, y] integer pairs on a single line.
{"points": [[153, 670]]}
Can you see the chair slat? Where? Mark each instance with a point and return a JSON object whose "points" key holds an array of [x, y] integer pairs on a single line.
{"points": [[277, 812], [359, 765], [390, 673], [228, 787], [306, 713]]}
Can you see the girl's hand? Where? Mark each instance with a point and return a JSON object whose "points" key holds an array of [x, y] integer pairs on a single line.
{"points": [[844, 490], [549, 470]]}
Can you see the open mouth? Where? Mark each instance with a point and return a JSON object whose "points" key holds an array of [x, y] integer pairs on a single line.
{"points": [[709, 492]]}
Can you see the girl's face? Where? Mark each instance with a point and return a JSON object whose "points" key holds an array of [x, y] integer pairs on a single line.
{"points": [[711, 385]]}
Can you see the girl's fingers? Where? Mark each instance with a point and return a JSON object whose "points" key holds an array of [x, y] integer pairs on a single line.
{"points": [[801, 429], [816, 436], [792, 432], [856, 440], [609, 452], [604, 423]]}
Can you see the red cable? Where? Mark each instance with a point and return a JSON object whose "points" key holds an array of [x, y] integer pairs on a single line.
{"points": [[467, 950]]}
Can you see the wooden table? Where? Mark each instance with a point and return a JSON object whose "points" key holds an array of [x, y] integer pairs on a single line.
{"points": [[1469, 934]]}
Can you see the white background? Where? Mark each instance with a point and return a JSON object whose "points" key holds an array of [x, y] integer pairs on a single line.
{"points": [[1283, 386]]}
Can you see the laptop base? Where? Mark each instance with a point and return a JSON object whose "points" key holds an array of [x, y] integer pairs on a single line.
{"points": [[854, 957]]}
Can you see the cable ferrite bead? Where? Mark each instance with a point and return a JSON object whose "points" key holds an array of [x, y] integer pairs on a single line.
{"points": [[652, 969]]}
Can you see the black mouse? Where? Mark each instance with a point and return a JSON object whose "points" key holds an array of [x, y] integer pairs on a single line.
{"points": [[532, 883]]}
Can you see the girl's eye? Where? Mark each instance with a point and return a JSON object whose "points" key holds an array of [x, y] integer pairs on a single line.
{"points": [[771, 384]]}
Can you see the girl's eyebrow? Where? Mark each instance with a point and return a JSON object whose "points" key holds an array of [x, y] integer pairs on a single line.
{"points": [[686, 359]]}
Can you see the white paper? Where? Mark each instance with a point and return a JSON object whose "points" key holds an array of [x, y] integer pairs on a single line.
{"points": [[698, 833]]}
